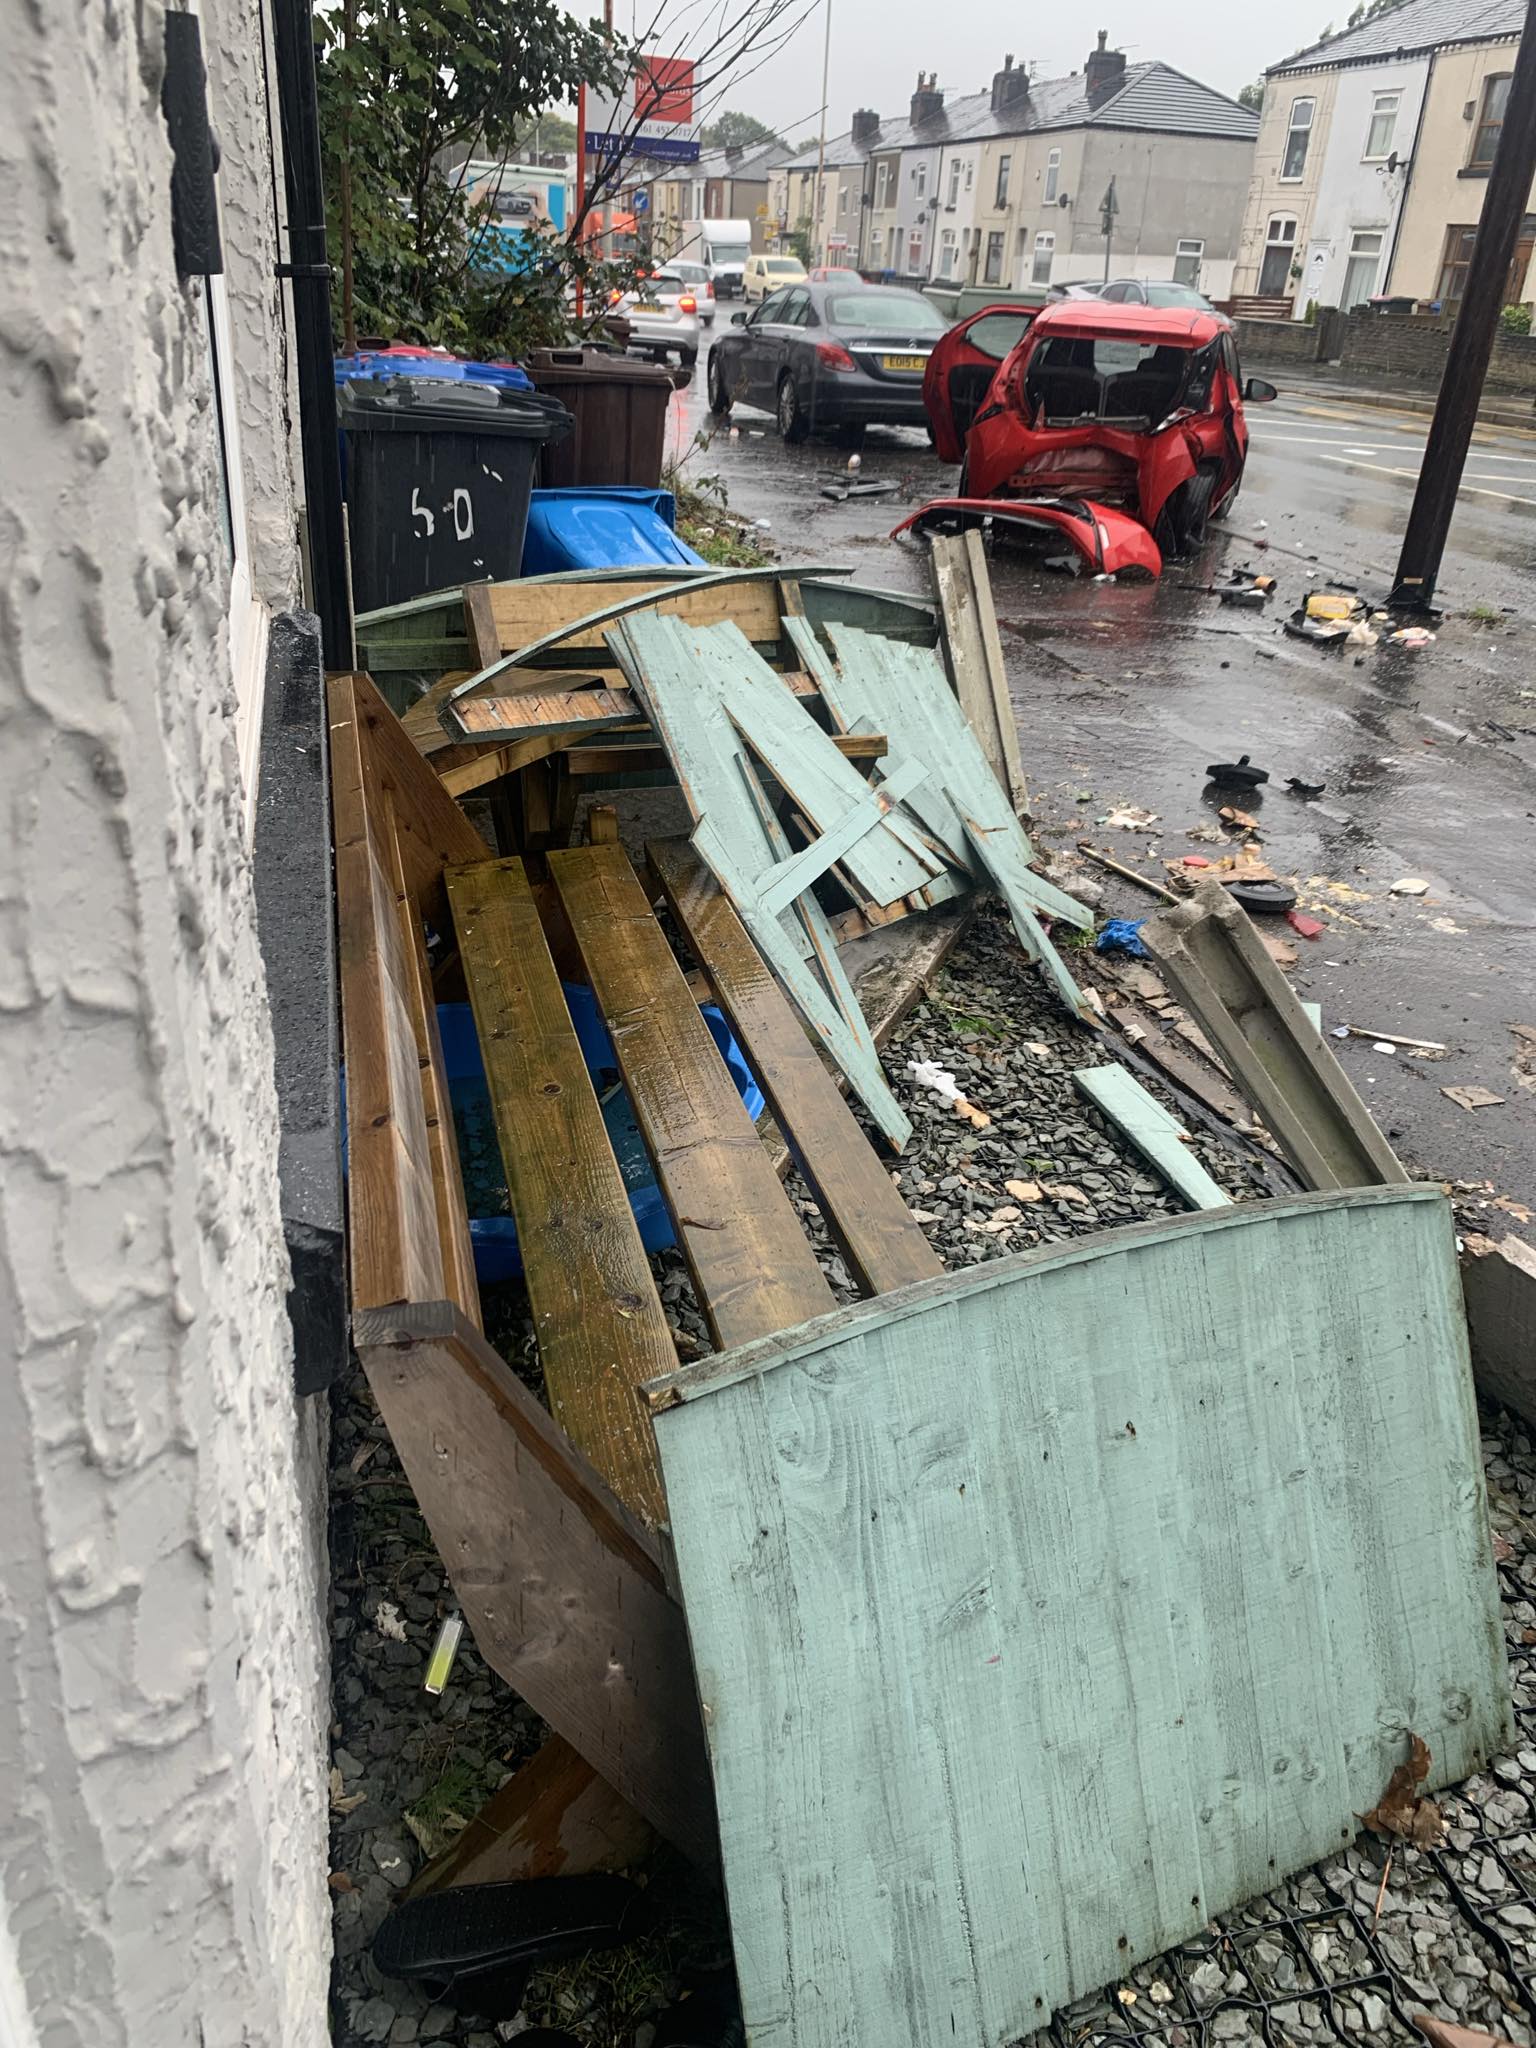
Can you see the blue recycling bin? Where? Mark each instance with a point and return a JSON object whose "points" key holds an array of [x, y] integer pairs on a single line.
{"points": [[603, 526]]}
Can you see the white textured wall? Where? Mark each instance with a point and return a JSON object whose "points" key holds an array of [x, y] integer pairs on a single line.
{"points": [[161, 1658]]}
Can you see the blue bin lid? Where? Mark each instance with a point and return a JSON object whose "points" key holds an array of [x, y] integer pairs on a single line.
{"points": [[447, 369], [602, 527]]}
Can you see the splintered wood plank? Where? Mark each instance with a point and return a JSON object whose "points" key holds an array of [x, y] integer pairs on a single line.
{"points": [[566, 711], [600, 1326], [1166, 1540], [902, 689], [393, 1244], [433, 830], [554, 1817], [964, 589], [563, 1589], [882, 1245], [1216, 965], [480, 624], [1155, 1132], [737, 837], [455, 1244], [423, 725], [752, 1267]]}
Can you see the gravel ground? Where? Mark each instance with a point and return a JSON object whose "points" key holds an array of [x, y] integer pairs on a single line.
{"points": [[1332, 1956]]}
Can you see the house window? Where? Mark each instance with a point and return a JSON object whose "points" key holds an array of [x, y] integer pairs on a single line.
{"points": [[970, 174], [1490, 124], [920, 179], [842, 199], [915, 252], [1186, 263], [882, 186], [994, 269], [876, 248], [1297, 136], [1378, 141], [1279, 254], [1454, 264], [948, 254], [1045, 249], [1052, 176], [1004, 166], [1360, 272], [954, 182]]}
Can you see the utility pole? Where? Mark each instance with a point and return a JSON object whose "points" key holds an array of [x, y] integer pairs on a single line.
{"points": [[1109, 206], [1472, 338], [821, 143]]}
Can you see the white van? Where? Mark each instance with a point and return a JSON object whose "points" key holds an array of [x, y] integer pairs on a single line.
{"points": [[765, 274]]}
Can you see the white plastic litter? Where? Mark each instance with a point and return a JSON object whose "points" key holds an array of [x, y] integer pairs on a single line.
{"points": [[929, 1074], [386, 1619]]}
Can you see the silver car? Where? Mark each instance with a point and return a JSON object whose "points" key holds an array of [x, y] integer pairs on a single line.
{"points": [[663, 316], [700, 280]]}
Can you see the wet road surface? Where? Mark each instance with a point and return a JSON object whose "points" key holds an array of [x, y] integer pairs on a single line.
{"points": [[1124, 692]]}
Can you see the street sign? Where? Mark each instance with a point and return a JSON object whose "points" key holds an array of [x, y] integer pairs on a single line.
{"points": [[642, 202], [653, 116]]}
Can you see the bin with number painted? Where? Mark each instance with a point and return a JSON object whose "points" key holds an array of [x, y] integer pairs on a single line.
{"points": [[438, 477]]}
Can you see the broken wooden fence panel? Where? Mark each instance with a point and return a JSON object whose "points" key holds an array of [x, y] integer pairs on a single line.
{"points": [[1217, 966], [739, 838], [1156, 1133], [964, 589], [1180, 1533]]}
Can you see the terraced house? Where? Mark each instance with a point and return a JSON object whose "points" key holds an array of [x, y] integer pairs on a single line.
{"points": [[1373, 155], [1006, 186]]}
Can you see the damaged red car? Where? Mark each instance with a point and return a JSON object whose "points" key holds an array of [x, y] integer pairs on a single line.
{"points": [[1120, 427]]}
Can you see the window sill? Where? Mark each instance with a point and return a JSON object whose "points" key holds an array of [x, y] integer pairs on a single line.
{"points": [[1475, 171], [1299, 179]]}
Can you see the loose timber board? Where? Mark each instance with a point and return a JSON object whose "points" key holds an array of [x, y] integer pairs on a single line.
{"points": [[1043, 1611]]}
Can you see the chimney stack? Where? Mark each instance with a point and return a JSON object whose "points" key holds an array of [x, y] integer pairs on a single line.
{"points": [[1104, 71], [866, 124], [1010, 87], [927, 101]]}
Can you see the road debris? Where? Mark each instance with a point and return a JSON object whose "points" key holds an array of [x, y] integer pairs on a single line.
{"points": [[1473, 1097], [1410, 885], [1389, 1038], [1238, 774], [1127, 818], [1413, 636], [1122, 935], [1307, 927], [1127, 874], [1242, 821]]}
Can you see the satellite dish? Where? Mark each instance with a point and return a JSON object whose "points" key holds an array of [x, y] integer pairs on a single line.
{"points": [[1064, 199], [1396, 162]]}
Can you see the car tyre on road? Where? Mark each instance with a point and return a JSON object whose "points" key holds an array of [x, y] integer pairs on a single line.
{"points": [[793, 424], [1181, 525], [719, 397]]}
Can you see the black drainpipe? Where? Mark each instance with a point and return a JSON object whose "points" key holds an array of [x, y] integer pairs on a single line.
{"points": [[309, 275]]}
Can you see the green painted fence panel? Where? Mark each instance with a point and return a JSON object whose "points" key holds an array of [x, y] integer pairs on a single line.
{"points": [[1042, 1611]]}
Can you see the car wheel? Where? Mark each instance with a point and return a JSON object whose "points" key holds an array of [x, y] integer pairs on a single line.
{"points": [[719, 397], [1182, 523], [793, 424], [689, 358], [1221, 511]]}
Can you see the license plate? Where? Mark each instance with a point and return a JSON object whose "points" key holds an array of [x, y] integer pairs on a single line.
{"points": [[647, 306], [903, 362]]}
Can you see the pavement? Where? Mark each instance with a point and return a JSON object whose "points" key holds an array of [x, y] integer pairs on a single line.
{"points": [[1124, 692]]}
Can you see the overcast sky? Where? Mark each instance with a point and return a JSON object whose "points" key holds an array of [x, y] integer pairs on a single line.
{"points": [[879, 46]]}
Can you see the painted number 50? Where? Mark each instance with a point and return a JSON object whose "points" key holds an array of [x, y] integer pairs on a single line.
{"points": [[463, 514]]}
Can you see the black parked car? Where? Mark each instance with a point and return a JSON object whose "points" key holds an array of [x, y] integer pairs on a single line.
{"points": [[828, 356]]}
